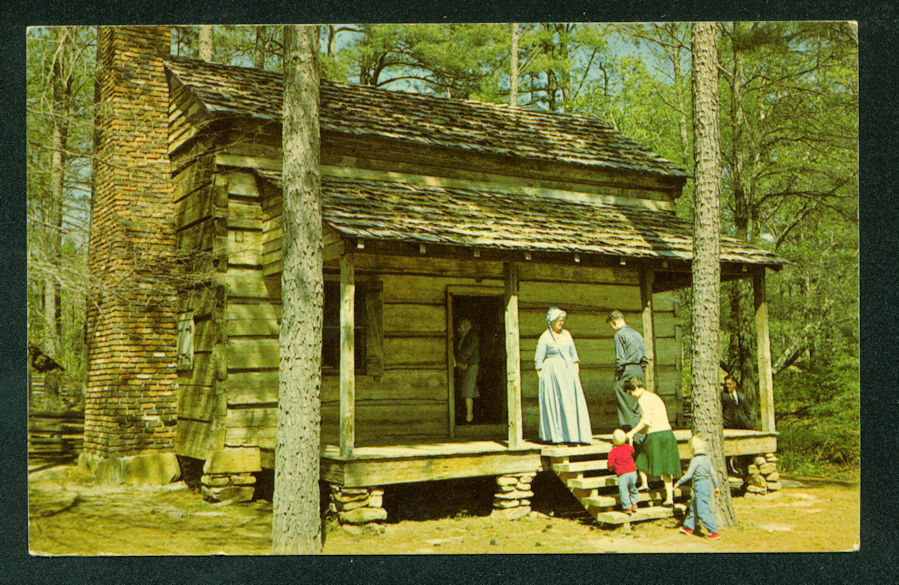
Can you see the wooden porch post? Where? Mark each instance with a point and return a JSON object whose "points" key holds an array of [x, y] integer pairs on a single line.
{"points": [[649, 338], [347, 356], [513, 355], [766, 377]]}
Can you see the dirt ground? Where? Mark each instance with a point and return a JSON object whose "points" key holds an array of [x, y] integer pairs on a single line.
{"points": [[71, 515]]}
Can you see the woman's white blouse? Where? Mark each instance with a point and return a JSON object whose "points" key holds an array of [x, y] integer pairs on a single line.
{"points": [[655, 415]]}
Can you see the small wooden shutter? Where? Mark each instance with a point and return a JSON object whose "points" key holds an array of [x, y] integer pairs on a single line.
{"points": [[374, 328], [185, 358]]}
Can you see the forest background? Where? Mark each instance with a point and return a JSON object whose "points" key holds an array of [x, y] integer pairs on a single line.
{"points": [[789, 184]]}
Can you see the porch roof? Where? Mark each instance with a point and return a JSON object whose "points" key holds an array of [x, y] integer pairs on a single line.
{"points": [[226, 91], [400, 212]]}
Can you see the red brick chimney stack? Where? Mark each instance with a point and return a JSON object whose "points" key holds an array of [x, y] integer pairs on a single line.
{"points": [[131, 403]]}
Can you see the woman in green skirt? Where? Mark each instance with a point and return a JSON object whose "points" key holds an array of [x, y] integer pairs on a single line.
{"points": [[658, 455]]}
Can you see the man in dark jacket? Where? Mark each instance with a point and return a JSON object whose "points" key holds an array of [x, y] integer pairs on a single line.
{"points": [[733, 406]]}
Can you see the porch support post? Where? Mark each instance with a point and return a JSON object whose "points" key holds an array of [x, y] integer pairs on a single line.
{"points": [[649, 338], [513, 357], [347, 356], [763, 342]]}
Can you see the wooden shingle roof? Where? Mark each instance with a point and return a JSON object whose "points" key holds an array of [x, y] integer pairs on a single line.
{"points": [[229, 91], [388, 211]]}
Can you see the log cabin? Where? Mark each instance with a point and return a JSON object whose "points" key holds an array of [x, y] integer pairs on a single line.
{"points": [[433, 210]]}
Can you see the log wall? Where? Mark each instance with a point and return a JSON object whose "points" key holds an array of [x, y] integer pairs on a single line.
{"points": [[228, 396], [201, 215], [588, 303]]}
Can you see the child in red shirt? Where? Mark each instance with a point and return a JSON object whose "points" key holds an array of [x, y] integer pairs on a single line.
{"points": [[621, 462]]}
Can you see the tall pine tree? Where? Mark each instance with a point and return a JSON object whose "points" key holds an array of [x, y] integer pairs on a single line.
{"points": [[296, 523], [707, 419]]}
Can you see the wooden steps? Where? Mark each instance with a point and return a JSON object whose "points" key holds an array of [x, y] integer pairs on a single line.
{"points": [[580, 466], [584, 471], [592, 483], [613, 501]]}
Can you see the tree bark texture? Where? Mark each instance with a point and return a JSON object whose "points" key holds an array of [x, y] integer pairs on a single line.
{"points": [[513, 69], [296, 522], [259, 50], [707, 418], [683, 124], [207, 48]]}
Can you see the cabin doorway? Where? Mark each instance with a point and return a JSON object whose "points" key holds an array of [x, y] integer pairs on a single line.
{"points": [[486, 314]]}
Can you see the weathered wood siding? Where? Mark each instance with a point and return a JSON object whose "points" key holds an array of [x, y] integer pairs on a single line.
{"points": [[251, 314], [588, 295], [201, 235], [415, 300], [230, 393], [231, 220], [347, 156]]}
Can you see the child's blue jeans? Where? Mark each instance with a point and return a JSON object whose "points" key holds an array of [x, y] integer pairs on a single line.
{"points": [[627, 489], [701, 506]]}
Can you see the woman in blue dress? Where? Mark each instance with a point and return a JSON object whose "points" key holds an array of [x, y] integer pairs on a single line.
{"points": [[563, 409]]}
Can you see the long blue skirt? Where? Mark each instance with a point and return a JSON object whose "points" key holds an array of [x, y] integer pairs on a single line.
{"points": [[563, 409]]}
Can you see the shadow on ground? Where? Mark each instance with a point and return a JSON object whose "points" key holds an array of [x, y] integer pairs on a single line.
{"points": [[473, 497]]}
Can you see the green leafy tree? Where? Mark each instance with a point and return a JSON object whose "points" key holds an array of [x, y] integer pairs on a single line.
{"points": [[59, 114], [453, 60], [790, 160]]}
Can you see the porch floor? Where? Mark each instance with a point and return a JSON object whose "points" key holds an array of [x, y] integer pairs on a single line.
{"points": [[378, 465]]}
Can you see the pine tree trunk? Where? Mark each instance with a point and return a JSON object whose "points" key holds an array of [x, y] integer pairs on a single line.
{"points": [[296, 523], [206, 45], [259, 50], [565, 74], [682, 122], [513, 71], [707, 418]]}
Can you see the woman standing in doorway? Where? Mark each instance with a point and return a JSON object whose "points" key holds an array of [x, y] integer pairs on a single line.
{"points": [[468, 359], [563, 408]]}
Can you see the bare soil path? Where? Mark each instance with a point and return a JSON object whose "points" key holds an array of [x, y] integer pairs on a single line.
{"points": [[69, 515]]}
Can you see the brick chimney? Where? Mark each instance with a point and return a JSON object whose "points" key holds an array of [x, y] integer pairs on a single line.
{"points": [[131, 403]]}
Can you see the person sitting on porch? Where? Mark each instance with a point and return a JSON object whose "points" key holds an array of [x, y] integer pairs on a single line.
{"points": [[468, 359], [658, 455], [630, 360], [563, 408], [733, 406]]}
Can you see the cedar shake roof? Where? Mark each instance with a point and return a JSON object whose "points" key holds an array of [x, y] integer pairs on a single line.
{"points": [[226, 91], [382, 210]]}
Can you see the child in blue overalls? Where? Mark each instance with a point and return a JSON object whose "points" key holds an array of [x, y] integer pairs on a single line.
{"points": [[704, 479]]}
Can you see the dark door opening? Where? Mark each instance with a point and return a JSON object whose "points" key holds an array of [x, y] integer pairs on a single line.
{"points": [[487, 317]]}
